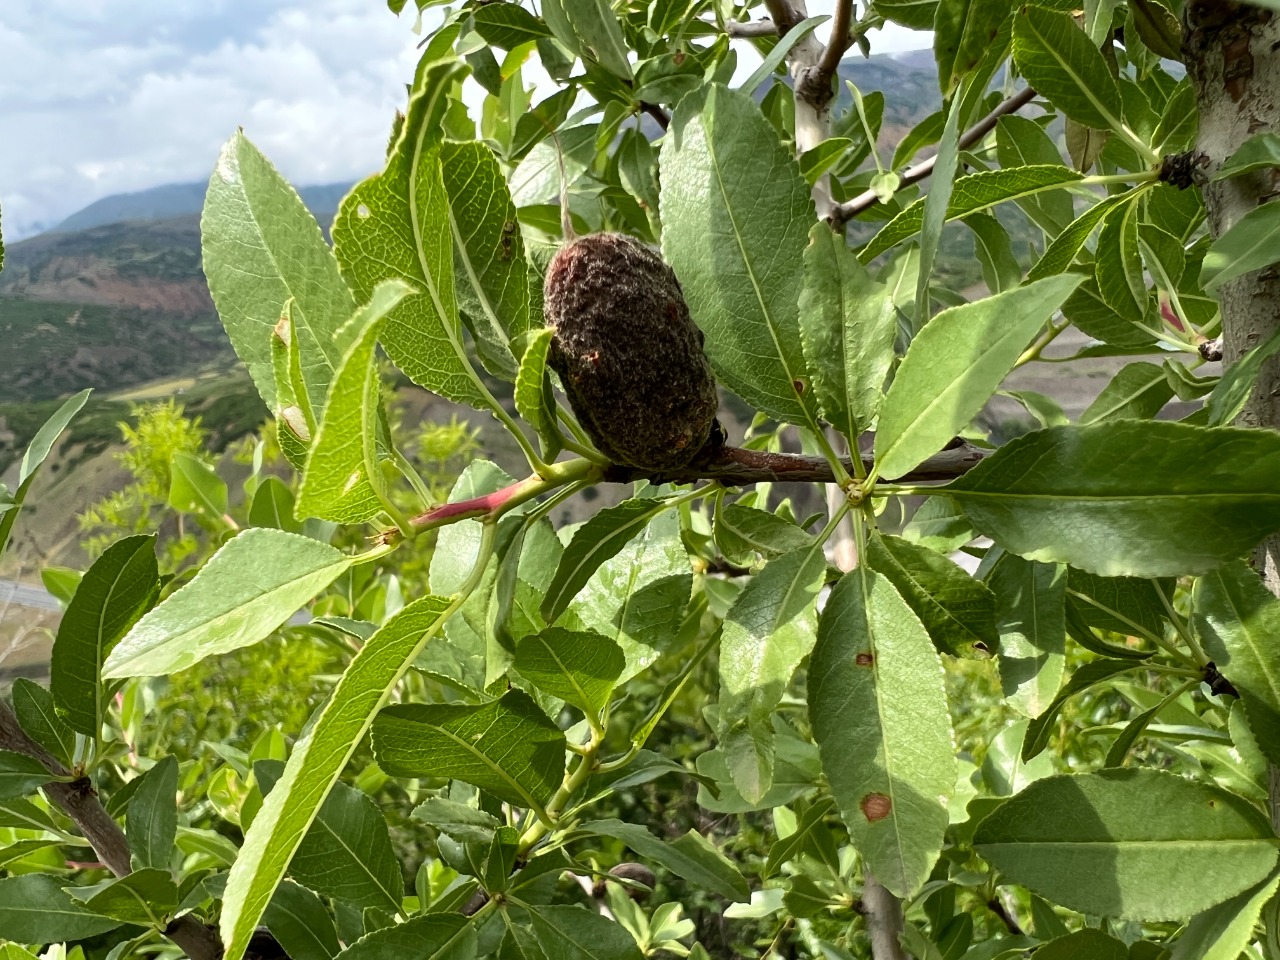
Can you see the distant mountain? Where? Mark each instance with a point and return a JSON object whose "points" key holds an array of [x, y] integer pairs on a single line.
{"points": [[182, 199], [110, 307]]}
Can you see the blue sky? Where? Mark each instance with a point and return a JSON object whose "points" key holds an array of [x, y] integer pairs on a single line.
{"points": [[110, 96]]}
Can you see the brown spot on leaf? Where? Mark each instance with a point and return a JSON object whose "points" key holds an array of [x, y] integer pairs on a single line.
{"points": [[875, 806], [864, 659], [798, 386]]}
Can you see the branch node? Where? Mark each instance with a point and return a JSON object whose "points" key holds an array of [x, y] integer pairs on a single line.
{"points": [[1178, 169], [1218, 684], [1211, 350]]}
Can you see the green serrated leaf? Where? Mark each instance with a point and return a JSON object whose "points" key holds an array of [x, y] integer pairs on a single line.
{"points": [[940, 525], [1138, 392], [953, 367], [1003, 770], [1058, 59], [1061, 253], [1259, 152], [34, 707], [507, 747], [396, 226], [489, 257], [1179, 122], [263, 248], [272, 506], [742, 530], [1093, 944], [300, 922], [1091, 315], [934, 213], [735, 216], [1022, 142], [994, 250], [1118, 265], [1238, 382], [23, 848], [1030, 601], [25, 815], [152, 819], [437, 936], [767, 632], [1125, 605], [776, 56], [1226, 929], [964, 31], [597, 540], [600, 32], [259, 579], [195, 487], [346, 854], [318, 757], [637, 598], [575, 933], [463, 823], [1127, 498], [112, 595], [1131, 844], [34, 909], [1091, 673], [579, 668], [1251, 243], [847, 328], [20, 775], [343, 480], [691, 857], [507, 25], [957, 611], [533, 397], [818, 160], [147, 897], [916, 14], [36, 453], [879, 715]]}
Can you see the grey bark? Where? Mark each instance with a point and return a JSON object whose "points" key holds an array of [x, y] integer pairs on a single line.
{"points": [[883, 913], [1231, 55]]}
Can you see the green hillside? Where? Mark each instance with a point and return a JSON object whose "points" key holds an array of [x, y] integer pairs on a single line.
{"points": [[110, 307]]}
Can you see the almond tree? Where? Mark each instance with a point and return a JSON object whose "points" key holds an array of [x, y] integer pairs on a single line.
{"points": [[1069, 750]]}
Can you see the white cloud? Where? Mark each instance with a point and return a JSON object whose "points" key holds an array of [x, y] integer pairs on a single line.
{"points": [[106, 97]]}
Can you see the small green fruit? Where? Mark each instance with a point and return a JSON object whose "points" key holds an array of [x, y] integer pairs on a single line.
{"points": [[628, 353]]}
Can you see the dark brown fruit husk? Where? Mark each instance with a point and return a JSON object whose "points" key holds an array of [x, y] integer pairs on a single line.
{"points": [[628, 354]]}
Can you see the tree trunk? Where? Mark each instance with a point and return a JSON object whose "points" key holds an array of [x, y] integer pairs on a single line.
{"points": [[1231, 55]]}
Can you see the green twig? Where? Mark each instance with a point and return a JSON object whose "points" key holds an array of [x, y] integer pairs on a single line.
{"points": [[1185, 632]]}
